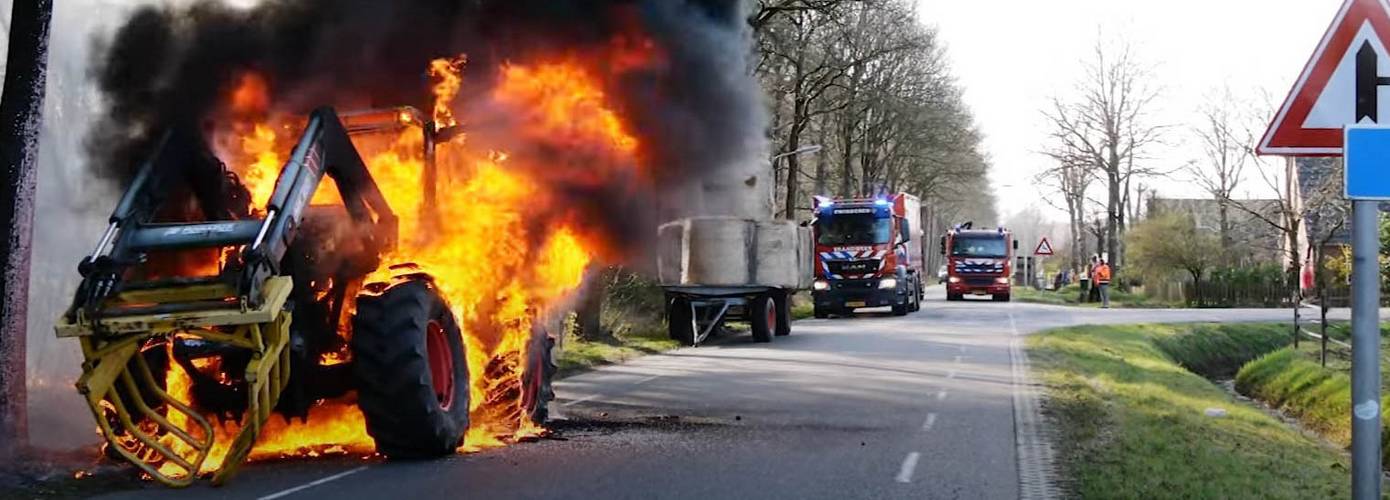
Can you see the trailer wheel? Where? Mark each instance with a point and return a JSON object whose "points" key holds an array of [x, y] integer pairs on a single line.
{"points": [[782, 301], [680, 321], [412, 376], [762, 312]]}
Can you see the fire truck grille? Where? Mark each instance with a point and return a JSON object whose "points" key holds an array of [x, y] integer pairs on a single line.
{"points": [[853, 267]]}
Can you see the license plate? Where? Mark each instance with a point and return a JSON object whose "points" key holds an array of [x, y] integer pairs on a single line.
{"points": [[859, 303]]}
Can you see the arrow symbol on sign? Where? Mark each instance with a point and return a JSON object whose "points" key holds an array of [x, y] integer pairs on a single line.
{"points": [[1368, 82]]}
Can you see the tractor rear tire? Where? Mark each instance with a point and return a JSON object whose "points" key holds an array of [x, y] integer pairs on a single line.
{"points": [[412, 375], [762, 313]]}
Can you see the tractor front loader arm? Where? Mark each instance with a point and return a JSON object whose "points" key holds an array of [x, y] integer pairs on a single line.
{"points": [[130, 329]]}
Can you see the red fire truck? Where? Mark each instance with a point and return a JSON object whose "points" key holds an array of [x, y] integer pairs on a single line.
{"points": [[978, 262], [868, 253]]}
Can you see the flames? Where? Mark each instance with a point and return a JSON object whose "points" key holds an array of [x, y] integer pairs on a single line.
{"points": [[504, 248]]}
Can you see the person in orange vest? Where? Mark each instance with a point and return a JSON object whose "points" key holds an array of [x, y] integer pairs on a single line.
{"points": [[1103, 281]]}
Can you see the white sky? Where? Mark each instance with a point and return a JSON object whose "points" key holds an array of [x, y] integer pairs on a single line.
{"points": [[1011, 56]]}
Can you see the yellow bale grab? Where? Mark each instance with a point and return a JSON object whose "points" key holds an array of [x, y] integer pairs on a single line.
{"points": [[116, 379]]}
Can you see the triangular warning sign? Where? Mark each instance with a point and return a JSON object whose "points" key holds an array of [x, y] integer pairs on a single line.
{"points": [[1044, 248], [1340, 85]]}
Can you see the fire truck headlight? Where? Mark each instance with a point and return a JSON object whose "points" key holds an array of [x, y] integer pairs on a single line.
{"points": [[954, 279], [887, 283], [1001, 280], [821, 285]]}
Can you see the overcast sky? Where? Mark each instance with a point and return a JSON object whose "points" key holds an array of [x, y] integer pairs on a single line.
{"points": [[1012, 55]]}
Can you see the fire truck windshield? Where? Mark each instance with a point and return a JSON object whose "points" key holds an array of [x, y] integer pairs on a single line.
{"points": [[980, 246], [856, 229]]}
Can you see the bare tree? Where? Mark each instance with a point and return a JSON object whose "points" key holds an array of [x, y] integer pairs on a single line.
{"points": [[21, 105], [1223, 145], [1069, 178], [1107, 127]]}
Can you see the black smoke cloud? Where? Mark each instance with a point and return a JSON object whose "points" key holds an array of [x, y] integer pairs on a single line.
{"points": [[698, 116]]}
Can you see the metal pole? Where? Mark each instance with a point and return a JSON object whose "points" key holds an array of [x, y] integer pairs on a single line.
{"points": [[1365, 351]]}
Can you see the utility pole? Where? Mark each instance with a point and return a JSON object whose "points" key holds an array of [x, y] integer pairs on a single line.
{"points": [[21, 110]]}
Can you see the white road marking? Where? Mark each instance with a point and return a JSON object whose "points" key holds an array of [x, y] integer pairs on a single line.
{"points": [[311, 484], [931, 422], [951, 374], [580, 400], [958, 358], [909, 465], [592, 396], [941, 395]]}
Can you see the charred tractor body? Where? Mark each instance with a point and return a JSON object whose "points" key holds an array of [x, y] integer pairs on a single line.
{"points": [[867, 254], [978, 262], [293, 309]]}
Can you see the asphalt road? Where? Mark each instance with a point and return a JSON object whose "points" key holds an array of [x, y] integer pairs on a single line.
{"points": [[877, 406]]}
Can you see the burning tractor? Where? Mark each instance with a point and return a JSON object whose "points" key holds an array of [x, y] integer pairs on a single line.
{"points": [[185, 366]]}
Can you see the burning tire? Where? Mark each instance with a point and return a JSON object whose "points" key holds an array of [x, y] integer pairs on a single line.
{"points": [[762, 312], [411, 372]]}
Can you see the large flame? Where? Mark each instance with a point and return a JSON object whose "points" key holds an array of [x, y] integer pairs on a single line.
{"points": [[507, 253]]}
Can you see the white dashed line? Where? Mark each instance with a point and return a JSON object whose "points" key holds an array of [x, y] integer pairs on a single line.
{"points": [[909, 465], [592, 396], [645, 380], [931, 422], [311, 484], [941, 395]]}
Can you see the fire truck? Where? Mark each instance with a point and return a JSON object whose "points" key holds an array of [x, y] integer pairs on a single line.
{"points": [[868, 253], [978, 262]]}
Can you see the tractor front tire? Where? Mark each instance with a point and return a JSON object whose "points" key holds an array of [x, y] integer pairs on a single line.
{"points": [[782, 300], [412, 375]]}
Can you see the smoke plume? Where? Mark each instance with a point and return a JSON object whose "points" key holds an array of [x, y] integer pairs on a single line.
{"points": [[698, 112]]}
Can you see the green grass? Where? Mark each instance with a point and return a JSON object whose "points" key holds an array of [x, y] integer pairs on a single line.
{"points": [[1295, 382], [1069, 296], [579, 354], [1131, 419]]}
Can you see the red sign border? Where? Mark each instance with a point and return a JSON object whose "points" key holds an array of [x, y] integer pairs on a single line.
{"points": [[1286, 135], [1040, 245]]}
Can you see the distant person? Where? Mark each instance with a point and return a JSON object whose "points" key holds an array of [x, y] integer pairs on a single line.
{"points": [[1085, 279], [1102, 281]]}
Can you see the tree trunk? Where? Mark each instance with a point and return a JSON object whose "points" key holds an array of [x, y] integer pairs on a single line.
{"points": [[21, 113], [589, 311]]}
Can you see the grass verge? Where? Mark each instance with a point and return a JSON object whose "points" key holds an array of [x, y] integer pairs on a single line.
{"points": [[1296, 382], [1070, 295], [1131, 419]]}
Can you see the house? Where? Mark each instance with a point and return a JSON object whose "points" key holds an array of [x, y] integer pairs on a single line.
{"points": [[1260, 241]]}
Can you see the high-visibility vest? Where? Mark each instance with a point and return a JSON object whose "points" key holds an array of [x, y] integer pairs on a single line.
{"points": [[1103, 274]]}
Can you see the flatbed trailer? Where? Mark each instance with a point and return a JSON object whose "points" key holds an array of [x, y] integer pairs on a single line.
{"points": [[720, 269]]}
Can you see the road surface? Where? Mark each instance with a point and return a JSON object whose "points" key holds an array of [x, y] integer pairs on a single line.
{"points": [[924, 406]]}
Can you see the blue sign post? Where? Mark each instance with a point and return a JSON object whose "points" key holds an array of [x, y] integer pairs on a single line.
{"points": [[1366, 152]]}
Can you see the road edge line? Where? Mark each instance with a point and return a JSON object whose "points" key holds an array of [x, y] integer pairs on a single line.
{"points": [[1033, 449]]}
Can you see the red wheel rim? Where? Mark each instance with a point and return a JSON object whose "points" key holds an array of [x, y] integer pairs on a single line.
{"points": [[441, 360], [771, 315]]}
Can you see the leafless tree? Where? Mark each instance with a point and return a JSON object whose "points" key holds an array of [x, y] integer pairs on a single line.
{"points": [[1223, 145], [1069, 178], [1107, 126]]}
